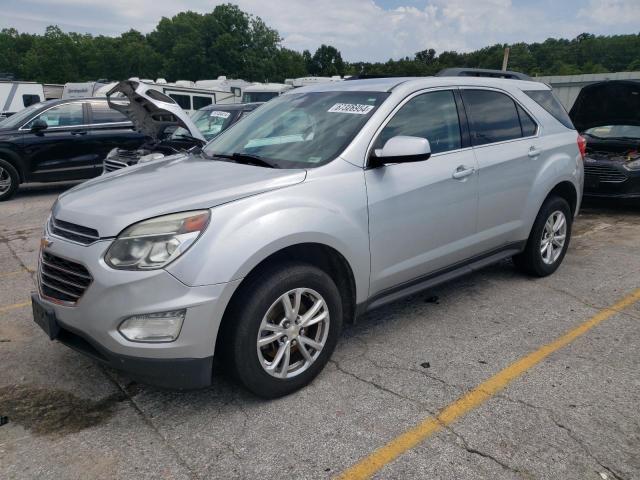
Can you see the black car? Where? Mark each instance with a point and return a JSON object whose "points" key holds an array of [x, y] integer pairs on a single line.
{"points": [[60, 140], [607, 114], [167, 128]]}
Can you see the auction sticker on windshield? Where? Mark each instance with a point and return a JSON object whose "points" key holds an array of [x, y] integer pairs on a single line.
{"points": [[355, 108], [219, 114]]}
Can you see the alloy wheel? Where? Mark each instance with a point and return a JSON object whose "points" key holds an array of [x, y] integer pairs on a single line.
{"points": [[5, 180], [293, 333], [553, 237]]}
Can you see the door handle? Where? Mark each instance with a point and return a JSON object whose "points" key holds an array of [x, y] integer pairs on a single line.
{"points": [[462, 172], [79, 132], [534, 151]]}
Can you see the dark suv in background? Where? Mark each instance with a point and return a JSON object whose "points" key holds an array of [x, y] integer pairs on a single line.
{"points": [[60, 140]]}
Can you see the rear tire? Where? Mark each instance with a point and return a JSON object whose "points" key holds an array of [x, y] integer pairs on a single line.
{"points": [[9, 180], [261, 338], [548, 240]]}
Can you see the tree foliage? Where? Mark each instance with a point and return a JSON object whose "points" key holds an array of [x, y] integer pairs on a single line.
{"points": [[228, 41]]}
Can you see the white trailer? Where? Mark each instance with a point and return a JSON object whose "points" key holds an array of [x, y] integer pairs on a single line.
{"points": [[81, 89], [14, 96], [263, 92], [304, 81]]}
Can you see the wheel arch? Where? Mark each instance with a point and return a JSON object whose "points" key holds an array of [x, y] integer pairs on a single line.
{"points": [[14, 160], [320, 255], [568, 191]]}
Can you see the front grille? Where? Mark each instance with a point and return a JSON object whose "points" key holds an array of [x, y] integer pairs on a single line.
{"points": [[111, 165], [605, 173], [124, 158], [62, 279], [73, 232]]}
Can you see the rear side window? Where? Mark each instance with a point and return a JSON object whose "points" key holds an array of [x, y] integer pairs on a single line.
{"points": [[103, 114], [547, 100], [433, 116], [183, 100], [492, 116], [199, 102], [529, 126]]}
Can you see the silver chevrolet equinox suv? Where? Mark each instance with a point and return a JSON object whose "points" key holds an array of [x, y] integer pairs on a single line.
{"points": [[325, 203]]}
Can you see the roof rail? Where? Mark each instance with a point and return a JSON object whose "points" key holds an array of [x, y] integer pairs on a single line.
{"points": [[482, 72]]}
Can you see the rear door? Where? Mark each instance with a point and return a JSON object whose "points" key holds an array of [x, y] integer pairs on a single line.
{"points": [[109, 129], [508, 150], [60, 152], [422, 215]]}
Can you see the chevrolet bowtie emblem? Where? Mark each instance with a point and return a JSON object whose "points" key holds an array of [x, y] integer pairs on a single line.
{"points": [[44, 243]]}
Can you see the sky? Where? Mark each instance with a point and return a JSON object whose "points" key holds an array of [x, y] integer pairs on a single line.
{"points": [[368, 30]]}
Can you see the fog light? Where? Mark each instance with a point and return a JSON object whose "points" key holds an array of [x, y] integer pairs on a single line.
{"points": [[153, 327]]}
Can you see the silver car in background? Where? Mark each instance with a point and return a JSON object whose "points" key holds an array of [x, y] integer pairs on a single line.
{"points": [[326, 202]]}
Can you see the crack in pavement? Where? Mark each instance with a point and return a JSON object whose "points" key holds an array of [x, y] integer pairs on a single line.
{"points": [[149, 423], [551, 415]]}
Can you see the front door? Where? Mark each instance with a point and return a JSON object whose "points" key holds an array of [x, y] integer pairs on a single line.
{"points": [[59, 152], [422, 216]]}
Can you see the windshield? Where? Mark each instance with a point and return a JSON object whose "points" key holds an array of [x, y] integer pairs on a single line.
{"points": [[16, 119], [615, 131], [299, 130], [250, 97], [209, 122]]}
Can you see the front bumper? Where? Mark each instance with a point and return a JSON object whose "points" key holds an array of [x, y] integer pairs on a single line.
{"points": [[605, 179], [173, 373], [91, 325]]}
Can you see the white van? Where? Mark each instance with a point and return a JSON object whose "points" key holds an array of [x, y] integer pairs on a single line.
{"points": [[14, 96]]}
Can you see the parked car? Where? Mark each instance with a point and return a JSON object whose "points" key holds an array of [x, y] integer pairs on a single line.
{"points": [[608, 115], [60, 140], [175, 131], [324, 203]]}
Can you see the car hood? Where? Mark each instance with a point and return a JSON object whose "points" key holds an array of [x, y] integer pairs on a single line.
{"points": [[178, 183], [613, 102], [150, 111]]}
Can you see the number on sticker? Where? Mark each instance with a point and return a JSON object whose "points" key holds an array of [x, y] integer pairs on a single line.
{"points": [[354, 108]]}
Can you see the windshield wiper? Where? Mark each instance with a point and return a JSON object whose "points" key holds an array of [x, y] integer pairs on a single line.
{"points": [[247, 159]]}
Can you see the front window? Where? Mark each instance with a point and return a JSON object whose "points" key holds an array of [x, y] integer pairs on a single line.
{"points": [[433, 116], [251, 97], [615, 131], [65, 115], [209, 122], [299, 130]]}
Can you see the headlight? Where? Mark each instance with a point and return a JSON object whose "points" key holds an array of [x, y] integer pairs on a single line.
{"points": [[154, 243], [112, 153], [634, 165], [150, 157]]}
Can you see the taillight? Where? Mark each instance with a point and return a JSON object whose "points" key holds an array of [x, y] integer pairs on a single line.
{"points": [[582, 146]]}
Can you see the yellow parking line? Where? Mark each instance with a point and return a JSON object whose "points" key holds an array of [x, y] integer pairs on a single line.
{"points": [[14, 306], [371, 464]]}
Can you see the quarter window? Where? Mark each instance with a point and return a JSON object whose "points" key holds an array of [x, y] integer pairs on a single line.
{"points": [[102, 113], [432, 116], [492, 116], [66, 115], [529, 126]]}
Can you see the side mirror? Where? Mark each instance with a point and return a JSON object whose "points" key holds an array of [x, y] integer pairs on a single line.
{"points": [[38, 125], [401, 149]]}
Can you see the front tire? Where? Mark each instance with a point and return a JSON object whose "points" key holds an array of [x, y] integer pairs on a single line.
{"points": [[9, 180], [548, 240], [283, 326]]}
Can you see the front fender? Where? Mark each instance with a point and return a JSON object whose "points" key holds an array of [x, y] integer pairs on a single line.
{"points": [[328, 210]]}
